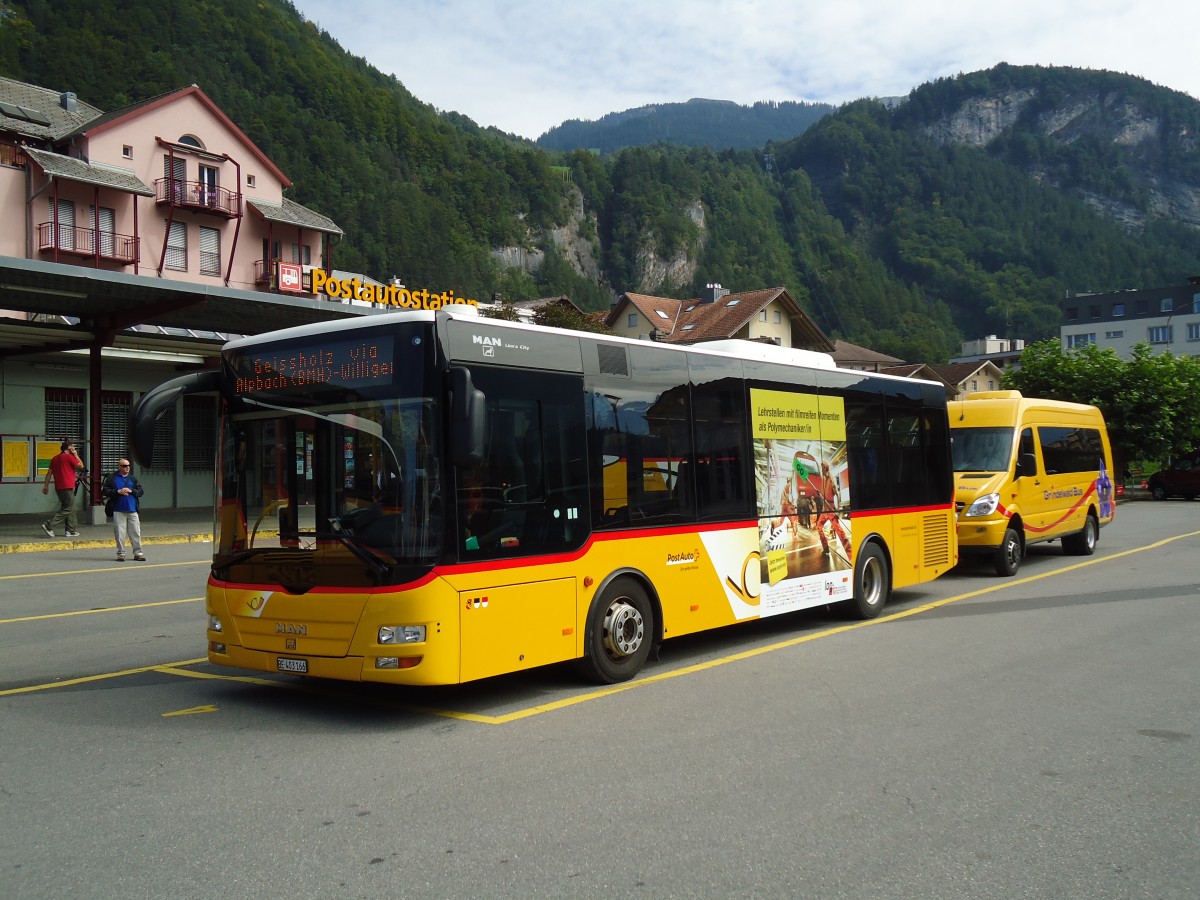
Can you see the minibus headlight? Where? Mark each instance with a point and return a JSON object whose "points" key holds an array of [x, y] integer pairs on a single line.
{"points": [[984, 506], [401, 634], [214, 623]]}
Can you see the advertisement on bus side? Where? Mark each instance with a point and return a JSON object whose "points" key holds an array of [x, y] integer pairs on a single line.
{"points": [[803, 493]]}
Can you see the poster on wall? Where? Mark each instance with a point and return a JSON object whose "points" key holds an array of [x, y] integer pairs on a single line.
{"points": [[802, 487]]}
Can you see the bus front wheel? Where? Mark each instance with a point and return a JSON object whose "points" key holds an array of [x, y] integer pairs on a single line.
{"points": [[620, 632], [872, 582], [1008, 555]]}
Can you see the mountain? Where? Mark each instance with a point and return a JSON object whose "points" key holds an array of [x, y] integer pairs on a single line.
{"points": [[970, 208], [716, 124]]}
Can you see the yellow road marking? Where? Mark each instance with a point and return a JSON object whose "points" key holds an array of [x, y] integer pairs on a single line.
{"points": [[608, 691], [105, 609], [191, 712], [87, 679], [136, 567]]}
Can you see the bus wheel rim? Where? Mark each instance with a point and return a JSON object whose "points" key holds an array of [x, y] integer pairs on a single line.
{"points": [[624, 629]]}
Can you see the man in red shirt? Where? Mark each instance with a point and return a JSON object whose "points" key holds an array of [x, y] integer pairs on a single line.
{"points": [[65, 469]]}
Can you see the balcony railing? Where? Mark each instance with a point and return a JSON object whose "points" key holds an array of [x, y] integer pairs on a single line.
{"points": [[76, 241], [199, 196]]}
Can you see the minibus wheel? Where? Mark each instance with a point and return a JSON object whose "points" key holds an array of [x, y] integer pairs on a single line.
{"points": [[1083, 543], [620, 632], [1009, 553]]}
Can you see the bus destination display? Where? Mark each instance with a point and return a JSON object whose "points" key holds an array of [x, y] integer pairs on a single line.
{"points": [[352, 364]]}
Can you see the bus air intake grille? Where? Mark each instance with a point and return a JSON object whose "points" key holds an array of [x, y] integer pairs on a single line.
{"points": [[613, 359], [935, 541]]}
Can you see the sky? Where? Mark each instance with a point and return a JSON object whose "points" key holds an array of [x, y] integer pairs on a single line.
{"points": [[525, 66]]}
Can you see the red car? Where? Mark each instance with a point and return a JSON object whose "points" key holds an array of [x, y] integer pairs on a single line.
{"points": [[1180, 479]]}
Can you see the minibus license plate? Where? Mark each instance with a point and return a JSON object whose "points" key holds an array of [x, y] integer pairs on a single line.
{"points": [[291, 665]]}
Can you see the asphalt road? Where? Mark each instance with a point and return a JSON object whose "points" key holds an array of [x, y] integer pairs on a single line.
{"points": [[1025, 737]]}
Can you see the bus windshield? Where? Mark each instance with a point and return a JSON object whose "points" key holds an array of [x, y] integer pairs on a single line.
{"points": [[981, 449], [331, 485]]}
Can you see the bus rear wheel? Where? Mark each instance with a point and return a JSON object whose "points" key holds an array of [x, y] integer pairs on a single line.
{"points": [[872, 583], [620, 632], [1083, 543]]}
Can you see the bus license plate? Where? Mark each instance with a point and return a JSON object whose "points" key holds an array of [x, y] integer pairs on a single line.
{"points": [[291, 665]]}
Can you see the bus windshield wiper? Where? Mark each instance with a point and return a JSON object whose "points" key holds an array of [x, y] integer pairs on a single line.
{"points": [[379, 567]]}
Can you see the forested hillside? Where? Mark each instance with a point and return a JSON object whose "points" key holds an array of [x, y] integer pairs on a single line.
{"points": [[969, 209], [716, 124]]}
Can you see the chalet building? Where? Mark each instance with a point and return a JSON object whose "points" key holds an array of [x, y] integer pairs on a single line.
{"points": [[769, 315], [921, 371], [969, 377], [1166, 318], [852, 356], [135, 243]]}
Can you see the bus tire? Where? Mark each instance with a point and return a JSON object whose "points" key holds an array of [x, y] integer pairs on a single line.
{"points": [[872, 582], [1082, 543], [1009, 553], [620, 632]]}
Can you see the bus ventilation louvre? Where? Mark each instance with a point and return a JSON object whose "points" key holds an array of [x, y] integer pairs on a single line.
{"points": [[613, 360], [935, 540]]}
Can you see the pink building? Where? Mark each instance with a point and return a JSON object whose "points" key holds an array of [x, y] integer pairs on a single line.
{"points": [[134, 242]]}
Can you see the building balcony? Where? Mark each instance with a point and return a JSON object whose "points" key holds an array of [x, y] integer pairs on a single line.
{"points": [[198, 196], [87, 242]]}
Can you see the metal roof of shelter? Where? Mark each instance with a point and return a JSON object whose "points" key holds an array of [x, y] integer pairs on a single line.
{"points": [[108, 307]]}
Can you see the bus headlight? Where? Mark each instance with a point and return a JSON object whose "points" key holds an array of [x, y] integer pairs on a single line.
{"points": [[402, 634], [984, 506], [214, 623]]}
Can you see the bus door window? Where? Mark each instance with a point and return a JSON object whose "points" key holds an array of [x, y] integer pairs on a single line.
{"points": [[527, 494]]}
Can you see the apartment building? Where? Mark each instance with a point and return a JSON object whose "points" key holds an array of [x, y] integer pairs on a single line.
{"points": [[135, 243], [1166, 318]]}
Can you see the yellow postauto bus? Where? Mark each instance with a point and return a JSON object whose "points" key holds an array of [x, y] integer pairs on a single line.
{"points": [[432, 497]]}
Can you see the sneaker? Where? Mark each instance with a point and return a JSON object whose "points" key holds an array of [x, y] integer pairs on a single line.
{"points": [[46, 528], [120, 557], [71, 533], [139, 556]]}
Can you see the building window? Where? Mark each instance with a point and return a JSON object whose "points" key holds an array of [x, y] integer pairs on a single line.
{"points": [[164, 441], [1114, 335], [127, 151], [762, 316], [974, 384], [177, 250], [63, 411], [1142, 307], [1094, 311], [1080, 340], [199, 433], [249, 181], [778, 317], [1165, 305], [114, 428], [1196, 303], [1194, 331], [632, 321], [210, 251], [302, 253], [1159, 334], [1118, 310], [662, 315], [1072, 313]]}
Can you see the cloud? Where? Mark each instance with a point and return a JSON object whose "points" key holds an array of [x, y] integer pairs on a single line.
{"points": [[525, 66]]}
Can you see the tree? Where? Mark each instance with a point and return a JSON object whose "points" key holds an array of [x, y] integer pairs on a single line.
{"points": [[1151, 402]]}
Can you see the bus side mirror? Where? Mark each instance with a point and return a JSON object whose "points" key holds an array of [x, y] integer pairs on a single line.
{"points": [[466, 419], [1026, 465]]}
